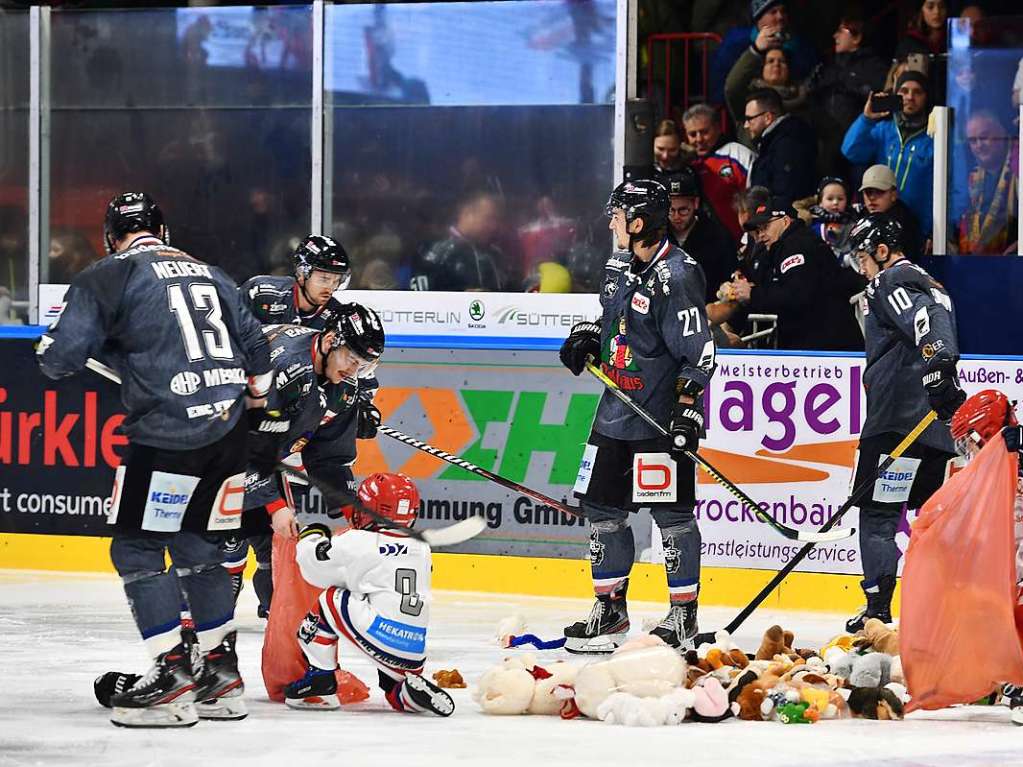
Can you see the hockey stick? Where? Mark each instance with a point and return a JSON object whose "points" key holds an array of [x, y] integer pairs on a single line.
{"points": [[444, 536], [801, 555], [474, 469], [791, 533], [451, 535]]}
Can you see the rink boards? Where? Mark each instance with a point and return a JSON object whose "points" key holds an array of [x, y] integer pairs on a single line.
{"points": [[784, 426]]}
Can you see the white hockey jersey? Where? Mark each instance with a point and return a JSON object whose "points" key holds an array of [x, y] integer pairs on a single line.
{"points": [[382, 594]]}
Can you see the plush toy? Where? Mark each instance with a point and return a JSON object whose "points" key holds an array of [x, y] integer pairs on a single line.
{"points": [[644, 667], [896, 670], [449, 679], [512, 625], [878, 637], [875, 703], [749, 702], [773, 644], [796, 713], [519, 686], [633, 711], [871, 670], [711, 701]]}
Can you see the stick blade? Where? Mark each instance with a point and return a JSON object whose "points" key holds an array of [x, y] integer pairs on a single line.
{"points": [[454, 534], [808, 536]]}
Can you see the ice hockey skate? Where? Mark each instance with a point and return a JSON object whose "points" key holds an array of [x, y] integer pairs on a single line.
{"points": [[679, 627], [219, 687], [418, 695], [878, 606], [603, 631], [164, 697], [317, 689]]}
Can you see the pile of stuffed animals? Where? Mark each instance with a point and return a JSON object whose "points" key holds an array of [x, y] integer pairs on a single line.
{"points": [[646, 683]]}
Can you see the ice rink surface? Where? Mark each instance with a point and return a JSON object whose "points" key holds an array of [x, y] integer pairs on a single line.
{"points": [[58, 631]]}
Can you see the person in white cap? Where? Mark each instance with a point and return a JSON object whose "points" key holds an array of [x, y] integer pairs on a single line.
{"points": [[881, 195]]}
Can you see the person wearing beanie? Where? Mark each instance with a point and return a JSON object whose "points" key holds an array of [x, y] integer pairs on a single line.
{"points": [[770, 29], [900, 141]]}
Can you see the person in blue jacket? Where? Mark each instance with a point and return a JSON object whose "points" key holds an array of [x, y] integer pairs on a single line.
{"points": [[899, 141]]}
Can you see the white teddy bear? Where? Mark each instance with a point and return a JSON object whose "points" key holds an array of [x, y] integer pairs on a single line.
{"points": [[520, 686], [632, 711]]}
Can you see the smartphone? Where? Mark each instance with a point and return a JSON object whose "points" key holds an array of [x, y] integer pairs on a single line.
{"points": [[886, 103]]}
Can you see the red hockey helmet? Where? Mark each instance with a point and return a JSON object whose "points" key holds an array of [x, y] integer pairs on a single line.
{"points": [[393, 496], [980, 418]]}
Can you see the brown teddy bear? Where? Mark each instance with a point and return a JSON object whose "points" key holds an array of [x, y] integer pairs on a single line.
{"points": [[773, 644], [879, 637]]}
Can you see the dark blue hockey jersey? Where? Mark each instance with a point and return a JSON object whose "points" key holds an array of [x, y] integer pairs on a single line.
{"points": [[654, 330], [175, 330], [910, 329]]}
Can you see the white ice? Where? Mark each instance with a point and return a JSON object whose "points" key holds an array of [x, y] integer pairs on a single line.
{"points": [[58, 631]]}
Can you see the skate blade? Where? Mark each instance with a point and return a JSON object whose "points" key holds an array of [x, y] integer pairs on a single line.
{"points": [[314, 703], [598, 645], [428, 697], [226, 708], [163, 715]]}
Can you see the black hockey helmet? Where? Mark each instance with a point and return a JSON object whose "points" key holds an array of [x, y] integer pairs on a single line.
{"points": [[872, 231], [318, 251], [645, 199], [132, 212], [360, 329]]}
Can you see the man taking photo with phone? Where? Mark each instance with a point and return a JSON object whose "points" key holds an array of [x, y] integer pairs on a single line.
{"points": [[892, 131]]}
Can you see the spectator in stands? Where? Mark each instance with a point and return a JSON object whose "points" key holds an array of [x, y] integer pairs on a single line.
{"points": [[753, 72], [770, 30], [14, 251], [804, 284], [925, 43], [669, 152], [988, 225], [786, 147], [840, 88], [881, 195], [703, 238], [722, 167], [467, 259], [70, 252], [899, 141], [831, 216]]}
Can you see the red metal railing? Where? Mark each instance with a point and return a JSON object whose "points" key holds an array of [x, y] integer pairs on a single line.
{"points": [[707, 41]]}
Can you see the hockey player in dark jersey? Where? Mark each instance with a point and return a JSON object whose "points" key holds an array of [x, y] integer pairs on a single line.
{"points": [[912, 351], [654, 341], [315, 377], [322, 268], [188, 354]]}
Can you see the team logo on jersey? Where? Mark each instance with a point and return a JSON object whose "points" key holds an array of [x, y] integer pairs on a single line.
{"points": [[640, 303], [610, 288], [618, 354], [185, 383]]}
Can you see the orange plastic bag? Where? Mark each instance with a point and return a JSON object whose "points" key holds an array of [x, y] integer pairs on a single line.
{"points": [[958, 636], [283, 661]]}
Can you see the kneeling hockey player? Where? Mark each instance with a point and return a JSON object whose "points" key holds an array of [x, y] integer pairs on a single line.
{"points": [[377, 596]]}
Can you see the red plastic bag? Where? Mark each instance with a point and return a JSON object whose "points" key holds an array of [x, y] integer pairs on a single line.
{"points": [[283, 661], [957, 636]]}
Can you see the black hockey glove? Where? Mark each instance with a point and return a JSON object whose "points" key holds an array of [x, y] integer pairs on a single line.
{"points": [[582, 343], [1013, 438], [943, 392], [322, 546], [686, 426], [266, 431], [369, 421]]}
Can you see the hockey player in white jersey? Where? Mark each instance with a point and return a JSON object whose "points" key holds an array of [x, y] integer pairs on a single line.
{"points": [[376, 595]]}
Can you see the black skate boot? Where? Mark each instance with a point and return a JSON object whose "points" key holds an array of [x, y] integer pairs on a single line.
{"points": [[605, 629], [879, 605], [418, 695], [679, 628], [316, 690], [165, 697], [219, 686]]}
